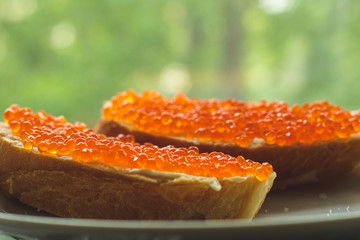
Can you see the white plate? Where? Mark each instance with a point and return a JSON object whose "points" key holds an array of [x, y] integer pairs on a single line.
{"points": [[314, 211]]}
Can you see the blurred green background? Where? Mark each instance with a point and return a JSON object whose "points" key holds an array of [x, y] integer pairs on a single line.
{"points": [[68, 57]]}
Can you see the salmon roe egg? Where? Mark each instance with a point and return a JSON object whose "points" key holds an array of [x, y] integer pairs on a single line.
{"points": [[55, 136], [232, 121]]}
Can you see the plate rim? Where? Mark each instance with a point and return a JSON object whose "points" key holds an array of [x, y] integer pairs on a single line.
{"points": [[271, 221]]}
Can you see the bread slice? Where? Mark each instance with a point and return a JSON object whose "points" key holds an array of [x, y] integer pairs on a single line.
{"points": [[67, 188], [294, 164]]}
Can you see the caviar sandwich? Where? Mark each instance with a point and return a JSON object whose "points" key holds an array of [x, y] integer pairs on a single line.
{"points": [[70, 171], [316, 141]]}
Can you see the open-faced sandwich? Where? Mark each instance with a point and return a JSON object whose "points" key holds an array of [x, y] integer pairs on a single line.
{"points": [[312, 142], [69, 170]]}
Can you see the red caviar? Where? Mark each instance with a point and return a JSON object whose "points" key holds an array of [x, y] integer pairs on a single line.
{"points": [[232, 121], [54, 136]]}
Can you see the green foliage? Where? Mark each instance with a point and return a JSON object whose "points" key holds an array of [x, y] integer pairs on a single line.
{"points": [[68, 57]]}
